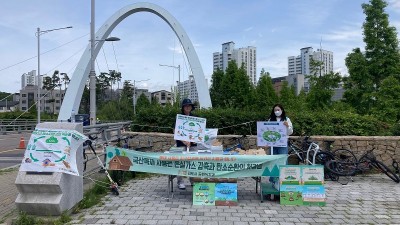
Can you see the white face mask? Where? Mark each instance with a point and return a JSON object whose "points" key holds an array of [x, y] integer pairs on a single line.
{"points": [[278, 113]]}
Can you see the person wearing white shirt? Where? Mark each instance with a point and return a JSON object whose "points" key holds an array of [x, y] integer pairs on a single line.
{"points": [[278, 114]]}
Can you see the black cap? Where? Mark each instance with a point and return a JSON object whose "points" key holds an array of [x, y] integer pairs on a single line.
{"points": [[187, 101]]}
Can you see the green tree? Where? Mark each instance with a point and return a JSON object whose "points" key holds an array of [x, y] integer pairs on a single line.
{"points": [[216, 90], [359, 85], [142, 101], [322, 89], [237, 90], [114, 77], [381, 49], [265, 92], [127, 91], [84, 107], [5, 95], [65, 79], [387, 99], [103, 82], [287, 95], [48, 86], [380, 60]]}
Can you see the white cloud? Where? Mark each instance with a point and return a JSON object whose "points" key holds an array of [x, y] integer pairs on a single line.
{"points": [[248, 29]]}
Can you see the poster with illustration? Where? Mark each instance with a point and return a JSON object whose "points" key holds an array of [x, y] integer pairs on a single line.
{"points": [[313, 175], [271, 133], [204, 194], [52, 151], [291, 195], [190, 128], [289, 175], [209, 137], [226, 194], [309, 191], [314, 195]]}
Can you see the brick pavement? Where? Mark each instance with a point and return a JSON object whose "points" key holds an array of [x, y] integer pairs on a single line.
{"points": [[372, 199], [8, 191]]}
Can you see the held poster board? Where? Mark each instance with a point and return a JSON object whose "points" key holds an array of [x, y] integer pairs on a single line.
{"points": [[271, 133], [190, 128], [302, 185]]}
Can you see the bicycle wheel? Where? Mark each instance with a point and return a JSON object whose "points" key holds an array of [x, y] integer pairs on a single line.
{"points": [[345, 155], [321, 158], [384, 169], [340, 168]]}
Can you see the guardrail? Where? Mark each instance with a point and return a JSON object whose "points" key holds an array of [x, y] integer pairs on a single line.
{"points": [[104, 134], [8, 126]]}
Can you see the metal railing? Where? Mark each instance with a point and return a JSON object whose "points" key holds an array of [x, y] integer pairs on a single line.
{"points": [[104, 134], [9, 126]]}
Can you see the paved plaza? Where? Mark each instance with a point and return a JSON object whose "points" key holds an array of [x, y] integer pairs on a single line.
{"points": [[372, 199]]}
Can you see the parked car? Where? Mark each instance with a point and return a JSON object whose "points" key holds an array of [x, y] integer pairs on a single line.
{"points": [[83, 118]]}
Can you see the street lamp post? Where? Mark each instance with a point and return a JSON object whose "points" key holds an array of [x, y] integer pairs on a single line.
{"points": [[179, 77], [134, 94], [92, 73], [38, 33], [92, 79]]}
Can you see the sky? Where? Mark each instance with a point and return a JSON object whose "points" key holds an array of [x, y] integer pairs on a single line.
{"points": [[278, 29]]}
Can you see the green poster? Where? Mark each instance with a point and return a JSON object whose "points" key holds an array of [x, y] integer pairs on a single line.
{"points": [[289, 175], [204, 194], [291, 195], [302, 185]]}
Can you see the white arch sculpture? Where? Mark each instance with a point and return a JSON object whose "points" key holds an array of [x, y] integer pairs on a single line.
{"points": [[81, 74]]}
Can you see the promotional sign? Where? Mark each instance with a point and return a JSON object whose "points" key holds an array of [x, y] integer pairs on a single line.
{"points": [[313, 175], [209, 137], [289, 175], [52, 151], [226, 194], [302, 185], [204, 194], [189, 128], [192, 165], [218, 194], [291, 195], [314, 195], [271, 133]]}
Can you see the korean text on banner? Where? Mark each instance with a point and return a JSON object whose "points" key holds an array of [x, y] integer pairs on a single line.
{"points": [[207, 166], [271, 133], [52, 151], [189, 128]]}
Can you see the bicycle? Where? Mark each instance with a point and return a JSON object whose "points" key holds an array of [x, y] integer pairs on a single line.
{"points": [[367, 162], [242, 143], [311, 154]]}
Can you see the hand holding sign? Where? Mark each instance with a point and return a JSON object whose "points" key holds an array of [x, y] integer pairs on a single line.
{"points": [[189, 128]]}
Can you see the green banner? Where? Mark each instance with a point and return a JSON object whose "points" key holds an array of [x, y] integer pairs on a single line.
{"points": [[194, 165]]}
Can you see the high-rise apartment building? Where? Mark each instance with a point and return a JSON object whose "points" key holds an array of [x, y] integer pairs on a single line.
{"points": [[50, 101], [187, 89], [29, 78], [246, 56], [299, 66]]}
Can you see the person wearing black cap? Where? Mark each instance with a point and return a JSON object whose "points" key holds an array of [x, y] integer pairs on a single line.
{"points": [[186, 109]]}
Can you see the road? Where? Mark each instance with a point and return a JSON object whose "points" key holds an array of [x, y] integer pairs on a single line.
{"points": [[10, 155]]}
